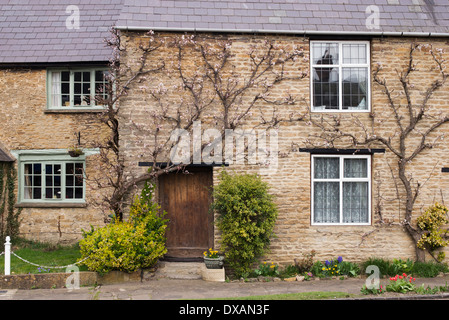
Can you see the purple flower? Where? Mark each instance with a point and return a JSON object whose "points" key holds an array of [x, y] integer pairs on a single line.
{"points": [[327, 263], [340, 259]]}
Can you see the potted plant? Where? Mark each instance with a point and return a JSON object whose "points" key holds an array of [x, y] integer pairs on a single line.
{"points": [[75, 152], [213, 260]]}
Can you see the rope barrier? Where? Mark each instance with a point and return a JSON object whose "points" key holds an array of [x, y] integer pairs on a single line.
{"points": [[47, 267]]}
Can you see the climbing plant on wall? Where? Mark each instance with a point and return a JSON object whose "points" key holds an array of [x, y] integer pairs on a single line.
{"points": [[9, 215]]}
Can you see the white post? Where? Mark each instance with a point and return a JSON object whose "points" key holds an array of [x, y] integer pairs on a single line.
{"points": [[7, 256]]}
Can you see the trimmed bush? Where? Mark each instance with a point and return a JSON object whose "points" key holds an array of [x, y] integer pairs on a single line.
{"points": [[127, 245], [246, 218]]}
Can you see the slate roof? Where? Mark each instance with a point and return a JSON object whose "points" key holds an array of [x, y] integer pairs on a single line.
{"points": [[4, 155], [293, 16], [34, 31]]}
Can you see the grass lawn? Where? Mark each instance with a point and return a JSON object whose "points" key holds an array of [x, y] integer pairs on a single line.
{"points": [[313, 295], [41, 254]]}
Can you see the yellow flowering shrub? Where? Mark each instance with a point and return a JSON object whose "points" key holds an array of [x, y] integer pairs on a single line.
{"points": [[127, 245], [431, 222]]}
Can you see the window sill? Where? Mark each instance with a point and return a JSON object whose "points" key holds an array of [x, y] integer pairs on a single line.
{"points": [[91, 110], [51, 205]]}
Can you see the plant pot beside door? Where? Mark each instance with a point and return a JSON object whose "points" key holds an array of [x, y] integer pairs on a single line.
{"points": [[212, 260]]}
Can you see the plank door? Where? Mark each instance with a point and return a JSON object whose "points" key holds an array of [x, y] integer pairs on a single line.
{"points": [[186, 198]]}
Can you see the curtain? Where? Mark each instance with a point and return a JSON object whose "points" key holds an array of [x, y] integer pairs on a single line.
{"points": [[56, 89], [355, 202], [326, 206], [326, 194], [354, 194]]}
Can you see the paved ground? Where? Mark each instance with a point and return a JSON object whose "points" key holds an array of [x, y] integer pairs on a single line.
{"points": [[168, 289]]}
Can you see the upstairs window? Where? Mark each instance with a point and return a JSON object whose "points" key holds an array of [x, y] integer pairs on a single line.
{"points": [[340, 76], [76, 89]]}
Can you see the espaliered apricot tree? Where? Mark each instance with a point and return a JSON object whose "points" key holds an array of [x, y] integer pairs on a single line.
{"points": [[178, 80], [413, 125]]}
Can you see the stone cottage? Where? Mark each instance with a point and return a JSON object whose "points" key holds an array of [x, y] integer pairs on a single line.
{"points": [[334, 119], [52, 56]]}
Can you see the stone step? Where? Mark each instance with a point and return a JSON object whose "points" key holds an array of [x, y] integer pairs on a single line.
{"points": [[179, 270]]}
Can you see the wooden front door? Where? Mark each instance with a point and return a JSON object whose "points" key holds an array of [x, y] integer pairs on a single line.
{"points": [[186, 198]]}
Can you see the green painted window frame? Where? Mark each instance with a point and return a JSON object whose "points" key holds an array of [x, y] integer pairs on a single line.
{"points": [[58, 158], [49, 86]]}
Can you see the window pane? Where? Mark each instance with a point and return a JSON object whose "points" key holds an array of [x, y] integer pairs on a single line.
{"points": [[354, 88], [355, 202], [74, 180], [69, 193], [77, 76], [32, 181], [65, 88], [354, 53], [53, 181], [326, 202], [355, 168], [325, 88], [326, 168], [86, 76], [78, 193], [27, 193], [325, 53], [65, 76], [37, 193], [69, 168], [79, 168]]}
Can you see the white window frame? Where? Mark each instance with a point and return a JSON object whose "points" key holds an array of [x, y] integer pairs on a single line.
{"points": [[44, 158], [341, 179], [72, 71], [340, 75]]}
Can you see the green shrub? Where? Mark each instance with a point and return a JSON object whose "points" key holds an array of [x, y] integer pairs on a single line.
{"points": [[385, 266], [428, 269], [267, 270], [246, 218], [399, 266], [127, 245]]}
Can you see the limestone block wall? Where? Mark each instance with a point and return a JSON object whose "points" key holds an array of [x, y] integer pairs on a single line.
{"points": [[25, 124], [291, 182]]}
